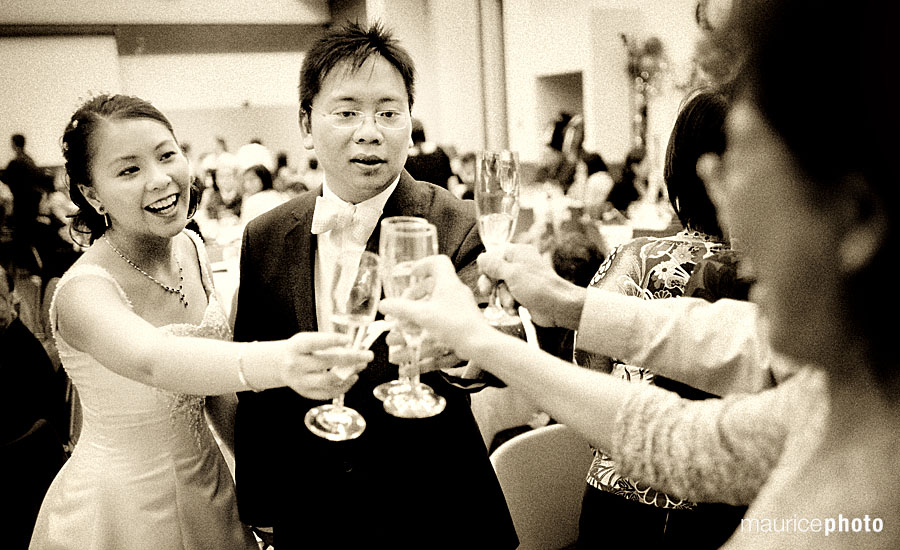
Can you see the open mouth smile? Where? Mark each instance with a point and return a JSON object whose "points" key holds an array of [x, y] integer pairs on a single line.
{"points": [[163, 206]]}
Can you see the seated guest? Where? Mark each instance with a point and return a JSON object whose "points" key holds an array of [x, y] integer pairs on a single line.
{"points": [[259, 193], [565, 161], [33, 426]]}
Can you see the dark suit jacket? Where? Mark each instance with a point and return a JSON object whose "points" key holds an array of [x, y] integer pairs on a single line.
{"points": [[402, 478]]}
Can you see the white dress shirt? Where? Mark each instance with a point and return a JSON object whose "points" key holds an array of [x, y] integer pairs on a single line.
{"points": [[340, 242]]}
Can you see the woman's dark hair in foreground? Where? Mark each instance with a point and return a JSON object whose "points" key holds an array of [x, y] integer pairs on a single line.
{"points": [[816, 72]]}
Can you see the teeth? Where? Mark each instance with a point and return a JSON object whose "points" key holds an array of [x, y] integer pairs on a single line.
{"points": [[162, 204]]}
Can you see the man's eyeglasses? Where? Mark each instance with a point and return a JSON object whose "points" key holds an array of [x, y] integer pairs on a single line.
{"points": [[388, 120]]}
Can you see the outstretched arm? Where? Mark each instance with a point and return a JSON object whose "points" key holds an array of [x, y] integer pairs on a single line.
{"points": [[92, 317], [703, 450], [717, 347]]}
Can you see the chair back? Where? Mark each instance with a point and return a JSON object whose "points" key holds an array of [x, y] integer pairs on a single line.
{"points": [[542, 473]]}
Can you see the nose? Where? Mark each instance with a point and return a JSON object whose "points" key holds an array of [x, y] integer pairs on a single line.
{"points": [[368, 131], [159, 177]]}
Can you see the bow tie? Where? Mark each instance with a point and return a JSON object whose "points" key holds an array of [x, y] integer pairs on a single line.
{"points": [[333, 214]]}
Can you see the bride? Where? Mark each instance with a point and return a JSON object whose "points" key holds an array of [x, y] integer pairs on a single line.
{"points": [[143, 337]]}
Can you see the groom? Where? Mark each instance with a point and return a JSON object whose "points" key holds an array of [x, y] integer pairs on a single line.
{"points": [[404, 483]]}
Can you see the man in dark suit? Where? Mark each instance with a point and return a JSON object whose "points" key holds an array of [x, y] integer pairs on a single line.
{"points": [[404, 483]]}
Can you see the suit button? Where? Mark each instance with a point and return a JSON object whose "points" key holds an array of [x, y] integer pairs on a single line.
{"points": [[348, 467]]}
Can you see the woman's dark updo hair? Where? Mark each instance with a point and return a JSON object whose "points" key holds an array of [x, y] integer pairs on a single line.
{"points": [[77, 151]]}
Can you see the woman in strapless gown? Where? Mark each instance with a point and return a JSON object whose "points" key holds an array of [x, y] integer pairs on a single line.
{"points": [[142, 335], [146, 472]]}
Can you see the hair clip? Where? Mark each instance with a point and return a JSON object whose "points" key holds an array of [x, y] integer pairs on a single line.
{"points": [[75, 123]]}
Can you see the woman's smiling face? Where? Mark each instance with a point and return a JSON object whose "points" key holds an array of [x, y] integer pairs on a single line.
{"points": [[140, 176]]}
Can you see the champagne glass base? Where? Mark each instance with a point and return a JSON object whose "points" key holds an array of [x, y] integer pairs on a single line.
{"points": [[415, 404], [382, 391], [335, 423]]}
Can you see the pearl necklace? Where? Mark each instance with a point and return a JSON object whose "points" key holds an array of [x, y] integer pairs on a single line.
{"points": [[179, 290]]}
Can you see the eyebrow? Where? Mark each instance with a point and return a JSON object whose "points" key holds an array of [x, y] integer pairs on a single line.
{"points": [[130, 158], [354, 99]]}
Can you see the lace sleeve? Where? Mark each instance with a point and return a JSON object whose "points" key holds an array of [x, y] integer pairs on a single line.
{"points": [[719, 450]]}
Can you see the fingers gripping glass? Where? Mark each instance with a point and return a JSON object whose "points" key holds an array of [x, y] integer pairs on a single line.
{"points": [[346, 119], [497, 208], [355, 294], [402, 242]]}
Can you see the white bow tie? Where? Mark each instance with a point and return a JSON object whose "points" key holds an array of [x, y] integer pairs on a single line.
{"points": [[334, 214]]}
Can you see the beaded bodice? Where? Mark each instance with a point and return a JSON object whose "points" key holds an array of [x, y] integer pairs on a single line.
{"points": [[127, 414]]}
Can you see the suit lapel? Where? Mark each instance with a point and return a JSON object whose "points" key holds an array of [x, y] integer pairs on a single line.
{"points": [[408, 199], [300, 248]]}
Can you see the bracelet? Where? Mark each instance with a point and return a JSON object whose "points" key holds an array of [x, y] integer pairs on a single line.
{"points": [[241, 376]]}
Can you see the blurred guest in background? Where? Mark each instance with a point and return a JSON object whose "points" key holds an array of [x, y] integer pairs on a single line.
{"points": [[28, 184], [286, 178], [464, 172], [222, 200], [567, 163], [259, 194], [631, 183], [255, 153], [427, 161]]}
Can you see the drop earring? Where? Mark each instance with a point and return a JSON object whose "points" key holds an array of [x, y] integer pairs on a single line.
{"points": [[102, 212]]}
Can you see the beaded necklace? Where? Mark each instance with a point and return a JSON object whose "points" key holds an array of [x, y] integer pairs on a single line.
{"points": [[178, 290]]}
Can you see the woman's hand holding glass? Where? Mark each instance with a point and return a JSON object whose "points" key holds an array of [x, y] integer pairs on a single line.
{"points": [[308, 359], [450, 314]]}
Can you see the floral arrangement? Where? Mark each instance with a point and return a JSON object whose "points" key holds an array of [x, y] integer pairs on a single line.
{"points": [[646, 59]]}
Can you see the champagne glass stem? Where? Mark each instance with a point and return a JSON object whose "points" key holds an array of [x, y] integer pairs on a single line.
{"points": [[494, 299], [414, 378], [356, 344]]}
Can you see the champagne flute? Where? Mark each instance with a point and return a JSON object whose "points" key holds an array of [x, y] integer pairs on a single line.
{"points": [[497, 208], [355, 293], [402, 244], [381, 391]]}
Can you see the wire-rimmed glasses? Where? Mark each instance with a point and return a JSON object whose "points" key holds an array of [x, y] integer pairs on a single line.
{"points": [[347, 119]]}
